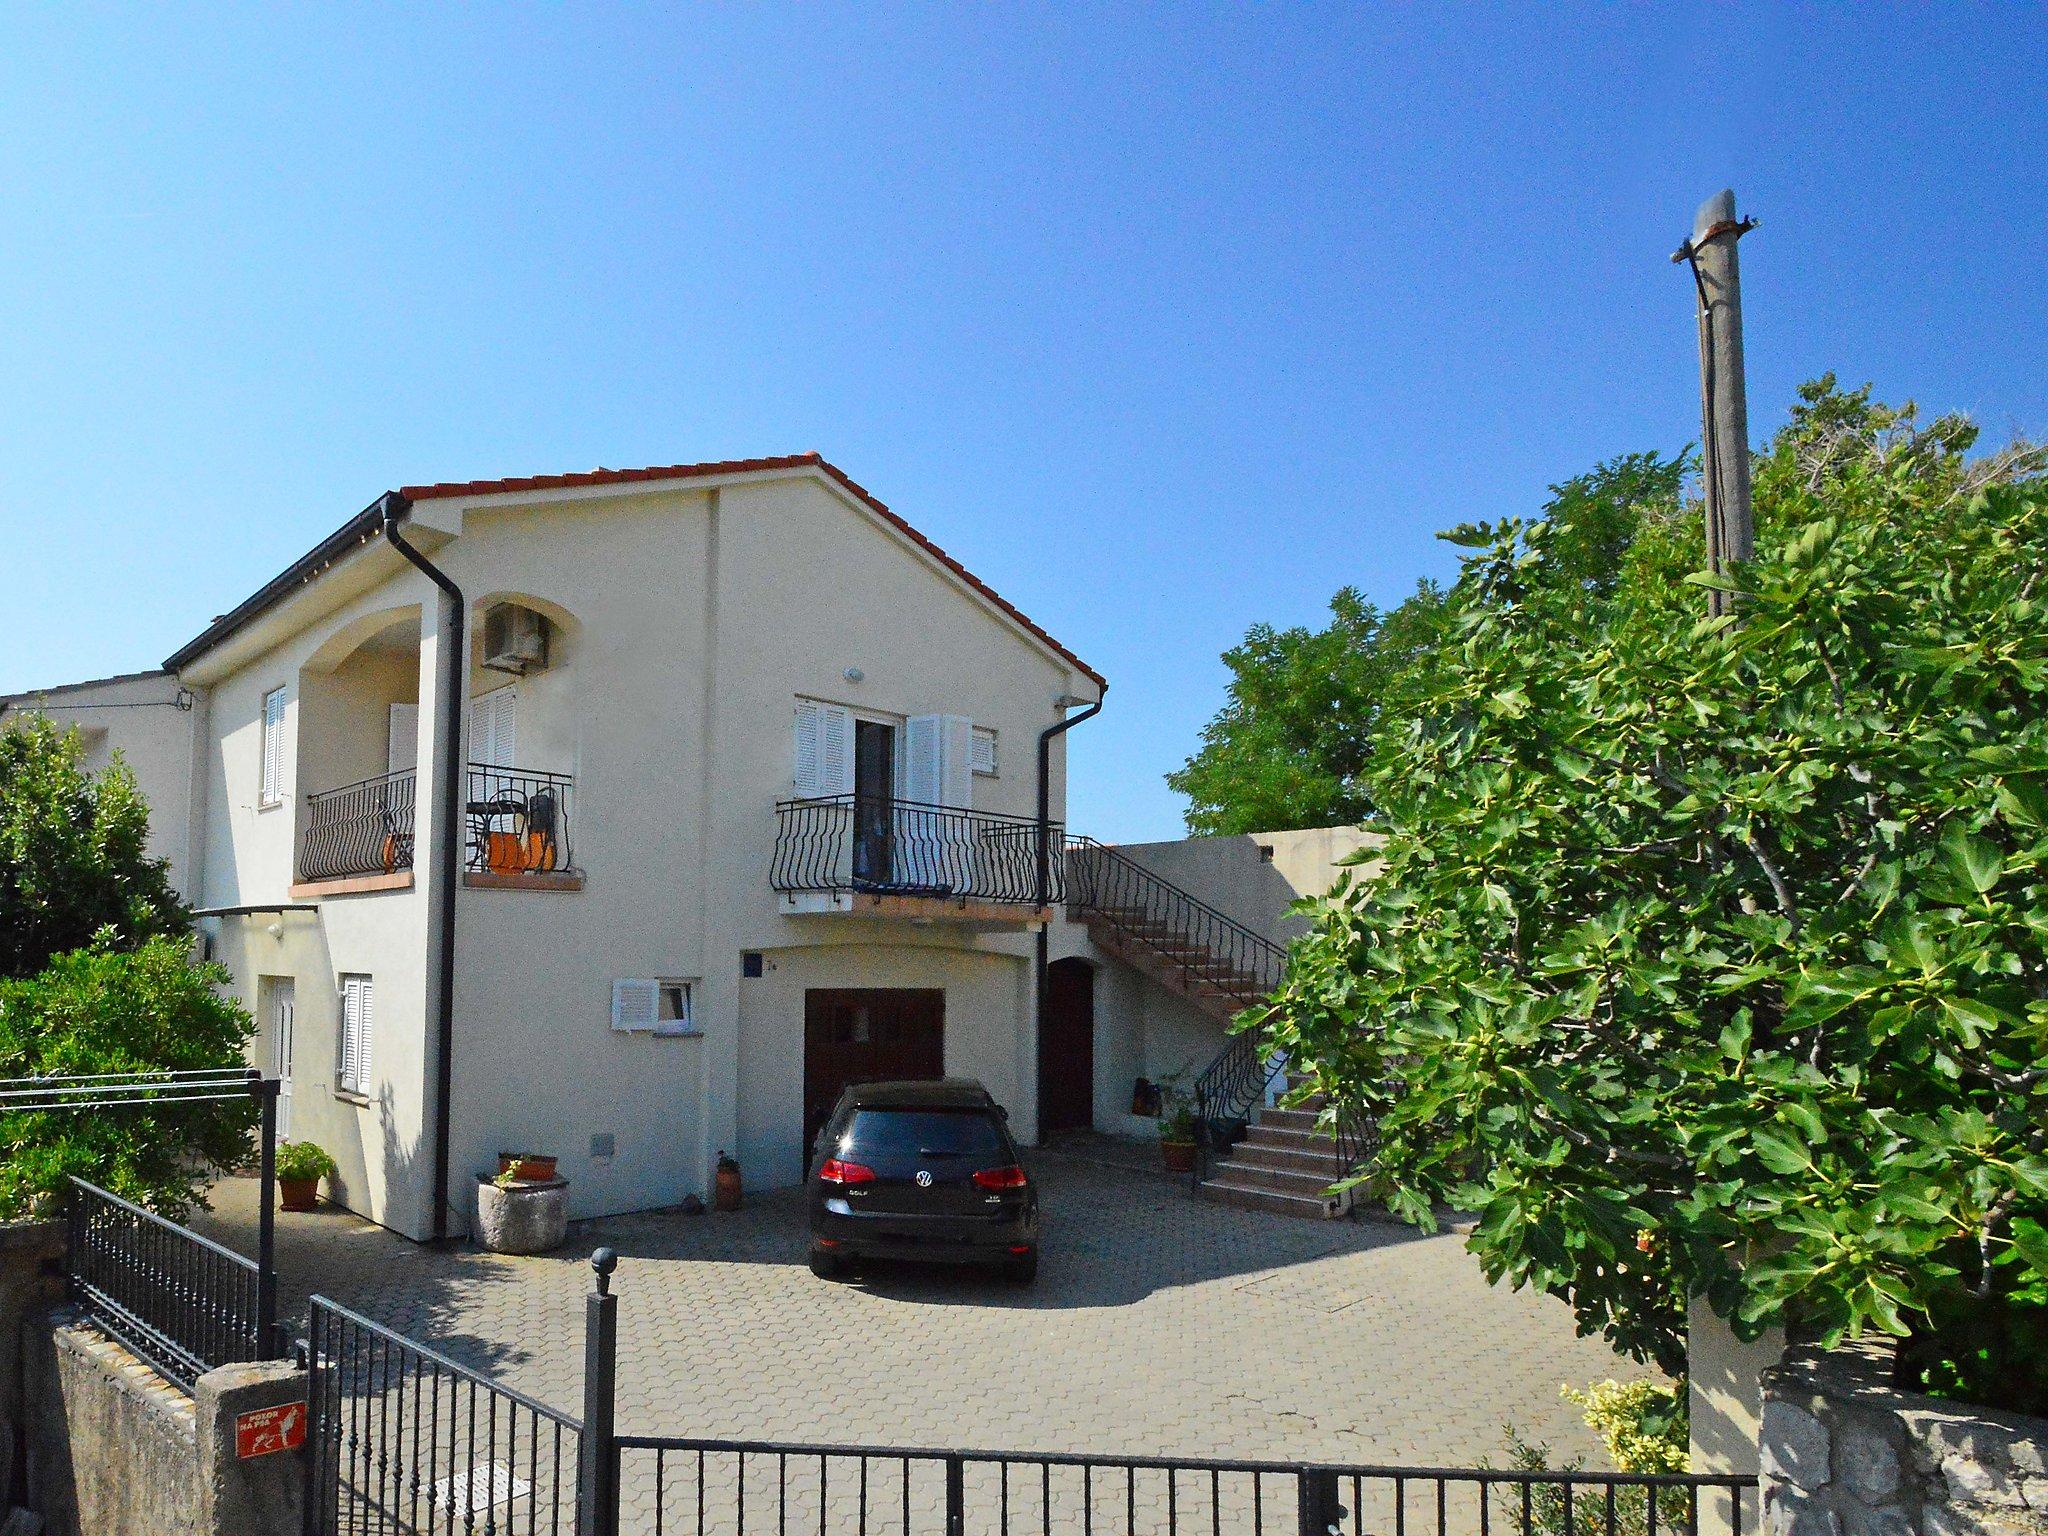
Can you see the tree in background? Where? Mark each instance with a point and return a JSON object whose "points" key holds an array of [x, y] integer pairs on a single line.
{"points": [[1305, 709], [72, 853], [1709, 956]]}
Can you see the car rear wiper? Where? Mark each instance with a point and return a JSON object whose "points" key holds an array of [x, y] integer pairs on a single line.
{"points": [[940, 1152]]}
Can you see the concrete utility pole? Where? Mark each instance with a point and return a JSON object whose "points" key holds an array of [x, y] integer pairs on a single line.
{"points": [[1724, 402]]}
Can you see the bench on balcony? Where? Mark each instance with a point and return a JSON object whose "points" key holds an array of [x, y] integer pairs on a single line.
{"points": [[879, 857], [516, 833]]}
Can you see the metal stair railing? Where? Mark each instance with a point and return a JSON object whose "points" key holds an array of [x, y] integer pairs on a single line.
{"points": [[1210, 950]]}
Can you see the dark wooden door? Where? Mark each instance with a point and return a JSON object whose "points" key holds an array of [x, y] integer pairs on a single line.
{"points": [[867, 1035], [1066, 1048]]}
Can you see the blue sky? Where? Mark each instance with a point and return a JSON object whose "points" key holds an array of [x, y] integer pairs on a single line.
{"points": [[1163, 320]]}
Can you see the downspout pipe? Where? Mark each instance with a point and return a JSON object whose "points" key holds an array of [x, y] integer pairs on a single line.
{"points": [[448, 844], [1043, 891]]}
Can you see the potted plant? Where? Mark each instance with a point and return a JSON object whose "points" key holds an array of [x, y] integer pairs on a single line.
{"points": [[526, 1167], [1177, 1129], [301, 1165], [726, 1191]]}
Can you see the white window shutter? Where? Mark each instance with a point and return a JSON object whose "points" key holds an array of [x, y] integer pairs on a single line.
{"points": [[824, 750], [494, 728], [357, 1025], [366, 1031], [923, 759], [806, 777], [985, 750], [635, 1004], [272, 788], [402, 749], [956, 761]]}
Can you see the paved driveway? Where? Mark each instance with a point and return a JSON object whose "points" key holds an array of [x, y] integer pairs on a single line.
{"points": [[1158, 1326]]}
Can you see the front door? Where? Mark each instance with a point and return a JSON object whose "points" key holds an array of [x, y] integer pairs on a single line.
{"points": [[874, 791], [1066, 1048], [867, 1035], [283, 1008]]}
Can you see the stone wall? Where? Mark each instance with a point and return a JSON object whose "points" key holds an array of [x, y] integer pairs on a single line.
{"points": [[1845, 1453], [31, 1277]]}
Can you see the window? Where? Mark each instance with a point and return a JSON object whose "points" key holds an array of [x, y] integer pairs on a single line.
{"points": [[352, 1070], [272, 790], [985, 751], [653, 1007]]}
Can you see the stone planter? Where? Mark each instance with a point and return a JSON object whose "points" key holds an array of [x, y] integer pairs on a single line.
{"points": [[1179, 1156], [1846, 1453], [522, 1218]]}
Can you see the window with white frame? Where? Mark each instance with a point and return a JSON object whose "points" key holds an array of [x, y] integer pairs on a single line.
{"points": [[271, 790], [984, 750], [653, 1006], [352, 1046]]}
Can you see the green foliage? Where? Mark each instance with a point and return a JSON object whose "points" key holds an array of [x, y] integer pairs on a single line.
{"points": [[303, 1160], [72, 859], [1643, 1424], [1306, 708], [1711, 957], [103, 1010]]}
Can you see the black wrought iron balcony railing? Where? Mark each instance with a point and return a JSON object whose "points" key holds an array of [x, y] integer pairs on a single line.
{"points": [[845, 844], [363, 828], [516, 822]]}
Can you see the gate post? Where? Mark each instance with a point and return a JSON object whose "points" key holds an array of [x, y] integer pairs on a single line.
{"points": [[1321, 1512], [956, 1496], [270, 1342], [597, 1480]]}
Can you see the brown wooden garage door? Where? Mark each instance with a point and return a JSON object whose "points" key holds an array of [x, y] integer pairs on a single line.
{"points": [[867, 1035]]}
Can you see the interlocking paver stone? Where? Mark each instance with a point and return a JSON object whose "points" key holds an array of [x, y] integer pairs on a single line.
{"points": [[1159, 1326]]}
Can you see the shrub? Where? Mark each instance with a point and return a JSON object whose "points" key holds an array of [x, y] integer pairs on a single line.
{"points": [[100, 1010]]}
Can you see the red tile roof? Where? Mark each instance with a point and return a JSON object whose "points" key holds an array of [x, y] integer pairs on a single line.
{"points": [[741, 467]]}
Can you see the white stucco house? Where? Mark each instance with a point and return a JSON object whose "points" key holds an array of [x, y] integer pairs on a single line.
{"points": [[627, 815]]}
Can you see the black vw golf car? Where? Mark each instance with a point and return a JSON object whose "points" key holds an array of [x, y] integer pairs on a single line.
{"points": [[921, 1171]]}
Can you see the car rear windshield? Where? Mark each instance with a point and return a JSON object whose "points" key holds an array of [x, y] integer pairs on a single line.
{"points": [[876, 1133]]}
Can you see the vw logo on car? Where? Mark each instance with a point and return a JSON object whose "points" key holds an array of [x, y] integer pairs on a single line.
{"points": [[924, 1178]]}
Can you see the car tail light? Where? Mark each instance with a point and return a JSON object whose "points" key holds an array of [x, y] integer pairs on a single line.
{"points": [[833, 1171], [1011, 1177]]}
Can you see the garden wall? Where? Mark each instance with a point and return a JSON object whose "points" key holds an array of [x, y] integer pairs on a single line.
{"points": [[1847, 1454]]}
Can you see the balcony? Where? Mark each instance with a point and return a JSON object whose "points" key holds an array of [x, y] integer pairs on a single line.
{"points": [[901, 858], [360, 837]]}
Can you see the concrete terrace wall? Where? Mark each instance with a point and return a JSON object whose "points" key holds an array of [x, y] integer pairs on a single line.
{"points": [[1846, 1454], [1248, 885]]}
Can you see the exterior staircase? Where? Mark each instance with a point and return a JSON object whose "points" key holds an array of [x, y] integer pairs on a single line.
{"points": [[1250, 1155], [1284, 1164]]}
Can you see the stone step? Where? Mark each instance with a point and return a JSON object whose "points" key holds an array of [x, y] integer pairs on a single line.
{"points": [[1288, 1119], [1318, 1160], [1252, 1198], [1288, 1181], [1288, 1140]]}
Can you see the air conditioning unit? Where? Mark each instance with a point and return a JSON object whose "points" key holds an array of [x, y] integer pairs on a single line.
{"points": [[515, 640]]}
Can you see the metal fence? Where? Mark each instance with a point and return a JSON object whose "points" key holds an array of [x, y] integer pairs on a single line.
{"points": [[180, 1301], [519, 820], [402, 1438], [678, 1487], [870, 845]]}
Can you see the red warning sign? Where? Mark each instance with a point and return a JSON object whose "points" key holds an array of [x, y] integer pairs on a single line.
{"points": [[265, 1431]]}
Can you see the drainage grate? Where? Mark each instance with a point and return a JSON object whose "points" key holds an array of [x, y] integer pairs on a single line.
{"points": [[487, 1487]]}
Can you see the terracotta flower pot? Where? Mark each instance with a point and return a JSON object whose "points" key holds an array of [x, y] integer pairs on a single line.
{"points": [[298, 1194], [726, 1190], [529, 1167], [1179, 1155]]}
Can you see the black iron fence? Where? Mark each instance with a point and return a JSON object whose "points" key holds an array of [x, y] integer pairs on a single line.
{"points": [[519, 820], [864, 844], [405, 1439], [180, 1301], [724, 1488], [402, 1438]]}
